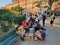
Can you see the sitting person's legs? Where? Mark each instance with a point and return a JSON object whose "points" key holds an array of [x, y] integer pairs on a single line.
{"points": [[22, 33], [41, 35]]}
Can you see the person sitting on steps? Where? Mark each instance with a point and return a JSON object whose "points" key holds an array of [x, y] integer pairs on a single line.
{"points": [[41, 35]]}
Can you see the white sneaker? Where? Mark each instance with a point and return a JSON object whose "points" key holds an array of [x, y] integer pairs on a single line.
{"points": [[35, 39]]}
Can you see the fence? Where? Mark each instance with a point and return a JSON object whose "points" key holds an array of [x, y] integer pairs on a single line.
{"points": [[7, 35]]}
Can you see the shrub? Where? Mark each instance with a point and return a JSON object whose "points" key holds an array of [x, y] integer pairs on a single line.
{"points": [[57, 13], [4, 27]]}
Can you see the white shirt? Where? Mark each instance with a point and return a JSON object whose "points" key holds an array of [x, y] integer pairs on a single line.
{"points": [[52, 17], [41, 23], [27, 18], [33, 16], [36, 19]]}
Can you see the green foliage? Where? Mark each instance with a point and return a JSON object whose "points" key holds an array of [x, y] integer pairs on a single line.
{"points": [[7, 18], [4, 27], [16, 8], [57, 13], [19, 19], [4, 11]]}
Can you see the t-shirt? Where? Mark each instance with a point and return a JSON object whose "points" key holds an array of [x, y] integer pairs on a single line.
{"points": [[52, 18], [39, 16], [40, 11], [27, 18], [41, 23], [31, 28], [19, 30], [23, 23], [33, 16], [36, 19]]}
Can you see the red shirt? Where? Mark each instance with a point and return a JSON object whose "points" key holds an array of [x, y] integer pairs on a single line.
{"points": [[23, 23]]}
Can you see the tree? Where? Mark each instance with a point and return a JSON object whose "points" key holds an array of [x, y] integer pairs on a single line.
{"points": [[18, 19], [7, 18], [51, 2], [39, 2], [17, 8]]}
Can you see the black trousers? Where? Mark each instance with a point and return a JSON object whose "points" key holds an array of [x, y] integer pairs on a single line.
{"points": [[43, 22]]}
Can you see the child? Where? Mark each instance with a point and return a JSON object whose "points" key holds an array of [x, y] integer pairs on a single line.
{"points": [[44, 16]]}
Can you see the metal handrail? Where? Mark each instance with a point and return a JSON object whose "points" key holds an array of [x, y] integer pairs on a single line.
{"points": [[7, 35]]}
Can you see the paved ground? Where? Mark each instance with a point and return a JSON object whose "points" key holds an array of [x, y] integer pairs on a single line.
{"points": [[56, 22], [52, 38]]}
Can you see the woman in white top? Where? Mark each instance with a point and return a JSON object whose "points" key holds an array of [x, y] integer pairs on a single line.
{"points": [[52, 20]]}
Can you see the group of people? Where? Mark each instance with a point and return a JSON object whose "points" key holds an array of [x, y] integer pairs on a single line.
{"points": [[40, 15], [35, 22]]}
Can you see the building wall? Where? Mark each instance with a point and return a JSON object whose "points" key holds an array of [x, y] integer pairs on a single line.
{"points": [[56, 6], [28, 5]]}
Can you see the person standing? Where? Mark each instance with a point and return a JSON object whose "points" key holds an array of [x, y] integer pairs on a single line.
{"points": [[44, 16], [40, 17], [52, 20]]}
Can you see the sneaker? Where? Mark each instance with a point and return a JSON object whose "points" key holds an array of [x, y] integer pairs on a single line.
{"points": [[22, 39], [35, 39]]}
